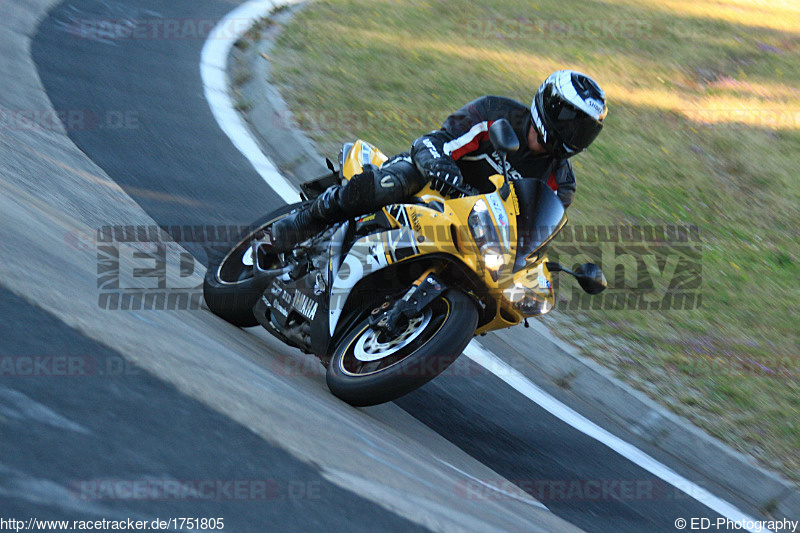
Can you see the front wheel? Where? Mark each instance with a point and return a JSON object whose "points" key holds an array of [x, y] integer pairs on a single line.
{"points": [[366, 369]]}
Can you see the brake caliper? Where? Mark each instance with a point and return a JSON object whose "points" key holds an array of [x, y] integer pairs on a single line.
{"points": [[390, 319]]}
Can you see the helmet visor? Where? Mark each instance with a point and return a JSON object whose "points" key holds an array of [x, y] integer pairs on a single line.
{"points": [[568, 129]]}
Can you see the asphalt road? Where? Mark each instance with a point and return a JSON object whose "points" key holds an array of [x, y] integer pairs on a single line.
{"points": [[147, 122], [155, 136], [86, 434], [52, 200]]}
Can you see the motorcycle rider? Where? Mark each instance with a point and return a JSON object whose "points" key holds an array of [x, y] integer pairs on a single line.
{"points": [[566, 115]]}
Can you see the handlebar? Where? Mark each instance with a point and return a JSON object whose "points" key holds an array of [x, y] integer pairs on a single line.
{"points": [[466, 190]]}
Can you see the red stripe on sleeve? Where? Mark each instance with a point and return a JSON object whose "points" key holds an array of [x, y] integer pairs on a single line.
{"points": [[551, 181], [472, 145]]}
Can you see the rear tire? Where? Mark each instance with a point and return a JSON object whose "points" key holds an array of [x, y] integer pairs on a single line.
{"points": [[445, 332], [229, 288]]}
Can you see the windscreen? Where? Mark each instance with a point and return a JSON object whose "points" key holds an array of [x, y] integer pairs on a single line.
{"points": [[541, 215]]}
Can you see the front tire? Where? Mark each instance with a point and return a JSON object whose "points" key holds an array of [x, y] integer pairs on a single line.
{"points": [[229, 288], [365, 371]]}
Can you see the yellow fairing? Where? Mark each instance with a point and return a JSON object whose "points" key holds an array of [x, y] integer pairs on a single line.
{"points": [[361, 154], [430, 231]]}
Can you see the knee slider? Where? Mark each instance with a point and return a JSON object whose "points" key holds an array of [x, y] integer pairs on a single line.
{"points": [[357, 195]]}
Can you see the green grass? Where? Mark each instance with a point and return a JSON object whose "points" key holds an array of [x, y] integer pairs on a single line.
{"points": [[703, 129]]}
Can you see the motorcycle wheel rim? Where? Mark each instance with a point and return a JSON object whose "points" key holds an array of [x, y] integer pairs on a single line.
{"points": [[369, 348], [235, 267], [440, 310]]}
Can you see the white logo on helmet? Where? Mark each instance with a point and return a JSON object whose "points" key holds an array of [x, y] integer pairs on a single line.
{"points": [[563, 82], [537, 121], [595, 105]]}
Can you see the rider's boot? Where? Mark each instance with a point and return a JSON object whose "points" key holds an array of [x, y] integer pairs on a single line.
{"points": [[323, 211], [365, 193]]}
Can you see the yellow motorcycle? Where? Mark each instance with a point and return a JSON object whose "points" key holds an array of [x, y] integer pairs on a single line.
{"points": [[389, 300]]}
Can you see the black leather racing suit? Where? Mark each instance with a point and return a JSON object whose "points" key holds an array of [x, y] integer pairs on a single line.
{"points": [[464, 138]]}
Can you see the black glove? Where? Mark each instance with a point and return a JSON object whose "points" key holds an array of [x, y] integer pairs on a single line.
{"points": [[445, 176], [428, 155]]}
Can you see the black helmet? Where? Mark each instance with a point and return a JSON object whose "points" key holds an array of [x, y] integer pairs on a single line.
{"points": [[568, 111]]}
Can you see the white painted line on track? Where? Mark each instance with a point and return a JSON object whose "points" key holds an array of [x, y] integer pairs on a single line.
{"points": [[519, 382], [526, 499], [213, 69]]}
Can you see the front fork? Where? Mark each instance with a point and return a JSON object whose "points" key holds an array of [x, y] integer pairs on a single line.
{"points": [[390, 319]]}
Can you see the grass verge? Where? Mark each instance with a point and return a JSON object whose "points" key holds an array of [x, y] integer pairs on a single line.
{"points": [[703, 129]]}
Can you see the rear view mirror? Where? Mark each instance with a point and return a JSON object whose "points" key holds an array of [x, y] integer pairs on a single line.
{"points": [[503, 137], [591, 278]]}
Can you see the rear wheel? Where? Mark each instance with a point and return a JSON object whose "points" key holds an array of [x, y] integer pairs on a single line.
{"points": [[367, 369], [229, 288]]}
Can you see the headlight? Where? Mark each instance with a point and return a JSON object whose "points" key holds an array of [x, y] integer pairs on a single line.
{"points": [[483, 231], [526, 300], [480, 224], [493, 259], [479, 220]]}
